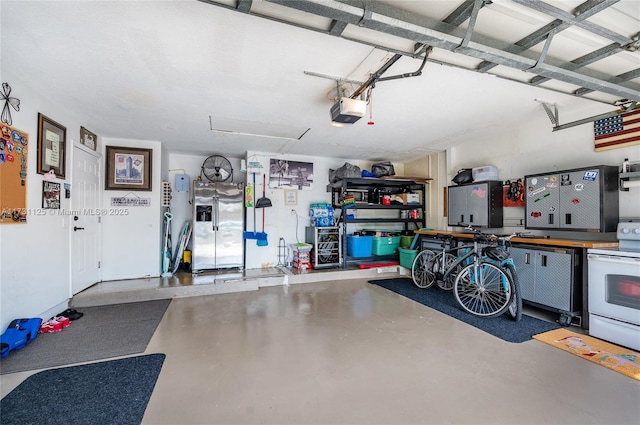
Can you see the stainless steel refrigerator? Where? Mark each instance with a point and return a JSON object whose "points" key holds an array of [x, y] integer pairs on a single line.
{"points": [[218, 223]]}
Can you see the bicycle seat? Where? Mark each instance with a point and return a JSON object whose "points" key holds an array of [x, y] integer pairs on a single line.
{"points": [[495, 253]]}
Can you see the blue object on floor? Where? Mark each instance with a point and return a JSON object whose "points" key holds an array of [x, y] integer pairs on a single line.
{"points": [[19, 333]]}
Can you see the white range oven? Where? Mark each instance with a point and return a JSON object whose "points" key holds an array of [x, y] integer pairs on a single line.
{"points": [[614, 289]]}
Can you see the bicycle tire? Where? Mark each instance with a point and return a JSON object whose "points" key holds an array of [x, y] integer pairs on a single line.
{"points": [[447, 283], [479, 289], [515, 308], [422, 269]]}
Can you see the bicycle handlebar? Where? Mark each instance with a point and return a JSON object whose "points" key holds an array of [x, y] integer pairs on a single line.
{"points": [[489, 236]]}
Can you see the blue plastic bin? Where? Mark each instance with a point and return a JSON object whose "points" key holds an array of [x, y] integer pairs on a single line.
{"points": [[359, 246]]}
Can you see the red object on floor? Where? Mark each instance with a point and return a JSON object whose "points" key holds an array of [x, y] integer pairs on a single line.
{"points": [[374, 265], [50, 326], [64, 321]]}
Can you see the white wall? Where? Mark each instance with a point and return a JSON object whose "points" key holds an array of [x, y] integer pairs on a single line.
{"points": [[279, 220], [532, 147], [131, 244], [34, 261]]}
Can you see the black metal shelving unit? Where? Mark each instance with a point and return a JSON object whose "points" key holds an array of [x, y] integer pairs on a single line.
{"points": [[368, 192]]}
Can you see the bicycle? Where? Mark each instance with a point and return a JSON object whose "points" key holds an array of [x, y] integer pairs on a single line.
{"points": [[515, 308], [484, 287], [429, 266]]}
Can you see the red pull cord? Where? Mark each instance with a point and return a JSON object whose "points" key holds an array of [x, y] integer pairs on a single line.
{"points": [[370, 108]]}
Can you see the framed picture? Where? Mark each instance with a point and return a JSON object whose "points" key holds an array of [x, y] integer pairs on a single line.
{"points": [[50, 195], [128, 168], [52, 138], [290, 197], [88, 139]]}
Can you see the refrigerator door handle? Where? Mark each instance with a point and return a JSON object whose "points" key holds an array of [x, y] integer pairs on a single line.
{"points": [[215, 214]]}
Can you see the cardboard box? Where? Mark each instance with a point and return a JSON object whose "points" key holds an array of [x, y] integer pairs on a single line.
{"points": [[410, 198]]}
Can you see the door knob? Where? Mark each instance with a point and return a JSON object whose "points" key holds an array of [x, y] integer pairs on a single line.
{"points": [[76, 228]]}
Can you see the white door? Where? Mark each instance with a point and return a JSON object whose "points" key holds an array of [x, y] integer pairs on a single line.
{"points": [[85, 220]]}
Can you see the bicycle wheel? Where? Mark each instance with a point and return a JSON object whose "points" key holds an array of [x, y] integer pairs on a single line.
{"points": [[422, 269], [480, 289], [515, 308], [448, 282]]}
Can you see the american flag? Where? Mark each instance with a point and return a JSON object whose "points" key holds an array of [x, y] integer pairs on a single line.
{"points": [[619, 131]]}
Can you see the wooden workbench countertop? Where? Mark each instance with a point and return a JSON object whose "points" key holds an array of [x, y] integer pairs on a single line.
{"points": [[535, 241]]}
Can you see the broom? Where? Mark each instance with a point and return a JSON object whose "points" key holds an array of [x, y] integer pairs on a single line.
{"points": [[263, 203], [258, 236]]}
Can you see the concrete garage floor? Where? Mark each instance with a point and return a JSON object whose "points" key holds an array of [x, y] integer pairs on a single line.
{"points": [[347, 352]]}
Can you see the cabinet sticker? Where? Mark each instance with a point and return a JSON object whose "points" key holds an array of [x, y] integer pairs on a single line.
{"points": [[536, 191], [590, 175], [480, 193]]}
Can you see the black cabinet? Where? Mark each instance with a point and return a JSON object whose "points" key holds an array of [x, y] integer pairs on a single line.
{"points": [[378, 203], [478, 204]]}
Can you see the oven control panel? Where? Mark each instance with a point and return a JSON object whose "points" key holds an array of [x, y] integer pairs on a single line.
{"points": [[629, 236], [629, 231]]}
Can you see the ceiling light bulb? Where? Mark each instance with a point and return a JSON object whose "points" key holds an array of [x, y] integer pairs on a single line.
{"points": [[337, 124]]}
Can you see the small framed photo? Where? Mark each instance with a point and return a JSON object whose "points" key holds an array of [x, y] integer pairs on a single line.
{"points": [[52, 138], [50, 195], [88, 139], [290, 197], [128, 168]]}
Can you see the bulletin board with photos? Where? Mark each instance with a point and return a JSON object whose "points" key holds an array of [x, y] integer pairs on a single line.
{"points": [[14, 149]]}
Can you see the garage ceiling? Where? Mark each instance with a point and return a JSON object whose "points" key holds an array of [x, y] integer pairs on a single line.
{"points": [[227, 76]]}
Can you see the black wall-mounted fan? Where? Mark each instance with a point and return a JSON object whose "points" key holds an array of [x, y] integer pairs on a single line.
{"points": [[217, 168]]}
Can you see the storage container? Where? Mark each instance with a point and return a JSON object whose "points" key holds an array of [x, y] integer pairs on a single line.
{"points": [[405, 241], [301, 247], [488, 172], [407, 256], [359, 246], [385, 245]]}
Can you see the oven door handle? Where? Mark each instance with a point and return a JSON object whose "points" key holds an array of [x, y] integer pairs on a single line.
{"points": [[613, 259]]}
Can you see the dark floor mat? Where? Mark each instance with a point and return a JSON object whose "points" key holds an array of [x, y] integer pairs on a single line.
{"points": [[102, 332], [444, 301], [110, 392]]}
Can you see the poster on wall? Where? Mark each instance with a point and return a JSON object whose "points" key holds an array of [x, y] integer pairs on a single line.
{"points": [[50, 195], [513, 193], [290, 174], [14, 149]]}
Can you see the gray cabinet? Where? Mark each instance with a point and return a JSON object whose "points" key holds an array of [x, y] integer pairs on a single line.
{"points": [[549, 278], [478, 204], [584, 199]]}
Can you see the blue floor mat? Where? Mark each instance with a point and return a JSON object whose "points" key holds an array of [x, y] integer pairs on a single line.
{"points": [[443, 301]]}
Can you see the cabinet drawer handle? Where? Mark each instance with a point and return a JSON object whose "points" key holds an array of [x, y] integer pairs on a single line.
{"points": [[550, 218], [527, 258], [543, 260]]}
